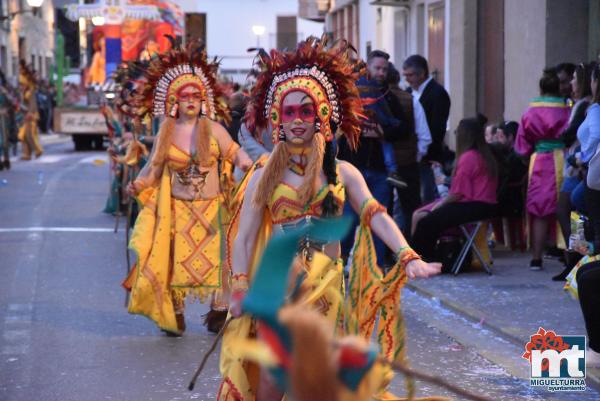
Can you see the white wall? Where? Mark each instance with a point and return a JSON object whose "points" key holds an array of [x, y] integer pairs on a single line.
{"points": [[229, 26], [38, 33], [525, 53]]}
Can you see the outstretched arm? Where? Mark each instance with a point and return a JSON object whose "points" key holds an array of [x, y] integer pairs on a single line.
{"points": [[381, 223]]}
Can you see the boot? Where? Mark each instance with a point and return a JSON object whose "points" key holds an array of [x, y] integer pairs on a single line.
{"points": [[214, 320], [571, 259]]}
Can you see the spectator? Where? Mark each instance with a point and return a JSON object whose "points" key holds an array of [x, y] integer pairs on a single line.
{"points": [[237, 105], [490, 131], [472, 194], [538, 138], [510, 192], [41, 96], [588, 282], [588, 135], [408, 152], [565, 75], [381, 130], [436, 103], [572, 190], [588, 277]]}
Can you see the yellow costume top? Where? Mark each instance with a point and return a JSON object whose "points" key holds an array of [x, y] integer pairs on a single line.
{"points": [[178, 159], [284, 206]]}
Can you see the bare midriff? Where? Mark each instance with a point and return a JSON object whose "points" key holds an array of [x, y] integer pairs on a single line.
{"points": [[201, 183]]}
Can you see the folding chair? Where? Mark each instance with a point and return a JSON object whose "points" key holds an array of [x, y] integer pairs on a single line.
{"points": [[469, 244]]}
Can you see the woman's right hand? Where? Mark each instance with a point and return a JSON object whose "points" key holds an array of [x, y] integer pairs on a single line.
{"points": [[133, 188]]}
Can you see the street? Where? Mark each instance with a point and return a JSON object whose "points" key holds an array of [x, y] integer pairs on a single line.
{"points": [[67, 336]]}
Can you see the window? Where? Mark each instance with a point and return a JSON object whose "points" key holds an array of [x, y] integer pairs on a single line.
{"points": [[4, 8], [22, 50], [195, 27], [3, 58], [287, 34], [49, 70], [15, 65]]}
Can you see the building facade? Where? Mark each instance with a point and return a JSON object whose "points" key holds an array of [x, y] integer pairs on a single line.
{"points": [[488, 54], [226, 26], [26, 33]]}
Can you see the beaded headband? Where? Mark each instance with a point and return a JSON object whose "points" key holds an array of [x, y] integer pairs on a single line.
{"points": [[326, 74]]}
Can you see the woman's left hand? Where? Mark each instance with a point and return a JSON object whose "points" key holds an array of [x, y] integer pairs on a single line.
{"points": [[245, 164], [417, 268]]}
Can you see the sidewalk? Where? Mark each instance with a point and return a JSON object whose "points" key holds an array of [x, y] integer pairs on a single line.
{"points": [[513, 302], [49, 139]]}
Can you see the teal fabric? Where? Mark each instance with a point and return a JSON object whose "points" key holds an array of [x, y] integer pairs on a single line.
{"points": [[548, 145]]}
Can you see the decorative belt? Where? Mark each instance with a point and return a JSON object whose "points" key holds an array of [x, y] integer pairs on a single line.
{"points": [[307, 245], [548, 145]]}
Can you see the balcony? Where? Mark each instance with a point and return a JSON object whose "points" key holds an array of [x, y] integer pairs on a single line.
{"points": [[314, 10]]}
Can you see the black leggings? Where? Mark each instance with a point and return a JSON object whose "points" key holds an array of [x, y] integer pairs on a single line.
{"points": [[588, 284], [592, 204], [450, 215]]}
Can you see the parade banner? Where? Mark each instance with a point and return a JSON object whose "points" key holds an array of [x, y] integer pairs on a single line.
{"points": [[80, 121], [144, 36]]}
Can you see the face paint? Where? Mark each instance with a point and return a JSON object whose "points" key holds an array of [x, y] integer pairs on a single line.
{"points": [[190, 97], [304, 112]]}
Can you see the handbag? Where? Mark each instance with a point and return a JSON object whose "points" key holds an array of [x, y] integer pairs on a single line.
{"points": [[593, 175]]}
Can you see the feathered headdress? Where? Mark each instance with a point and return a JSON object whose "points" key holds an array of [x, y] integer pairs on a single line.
{"points": [[129, 79], [27, 77], [176, 69], [326, 74]]}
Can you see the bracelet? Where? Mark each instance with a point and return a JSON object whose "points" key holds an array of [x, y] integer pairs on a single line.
{"points": [[239, 282], [406, 255], [370, 208]]}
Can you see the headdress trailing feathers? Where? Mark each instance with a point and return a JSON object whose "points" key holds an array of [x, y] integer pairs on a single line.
{"points": [[129, 80], [176, 69], [325, 73], [27, 77]]}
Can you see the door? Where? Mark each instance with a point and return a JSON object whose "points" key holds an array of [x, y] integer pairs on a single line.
{"points": [[287, 32], [435, 40], [195, 27]]}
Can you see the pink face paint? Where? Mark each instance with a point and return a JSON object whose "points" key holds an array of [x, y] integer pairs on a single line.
{"points": [[304, 112]]}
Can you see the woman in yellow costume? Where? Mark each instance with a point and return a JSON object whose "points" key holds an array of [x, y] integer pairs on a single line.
{"points": [[28, 133], [308, 97], [178, 235]]}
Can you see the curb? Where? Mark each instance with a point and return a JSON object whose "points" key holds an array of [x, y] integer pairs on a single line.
{"points": [[592, 374], [50, 139]]}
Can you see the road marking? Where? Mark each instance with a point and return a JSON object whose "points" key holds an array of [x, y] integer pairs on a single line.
{"points": [[97, 159], [57, 229]]}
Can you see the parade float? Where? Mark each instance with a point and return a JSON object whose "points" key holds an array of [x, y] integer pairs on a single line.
{"points": [[121, 31]]}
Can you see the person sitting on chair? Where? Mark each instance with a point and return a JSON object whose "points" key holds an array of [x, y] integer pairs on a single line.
{"points": [[472, 194]]}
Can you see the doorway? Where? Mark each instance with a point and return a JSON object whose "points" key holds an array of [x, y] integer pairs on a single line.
{"points": [[436, 40]]}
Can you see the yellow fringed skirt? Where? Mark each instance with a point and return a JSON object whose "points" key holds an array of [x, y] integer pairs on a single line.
{"points": [[196, 247]]}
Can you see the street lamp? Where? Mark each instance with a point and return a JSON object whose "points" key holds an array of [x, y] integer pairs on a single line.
{"points": [[35, 3], [258, 30]]}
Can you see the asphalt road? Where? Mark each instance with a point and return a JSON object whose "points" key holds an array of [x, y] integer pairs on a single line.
{"points": [[66, 335]]}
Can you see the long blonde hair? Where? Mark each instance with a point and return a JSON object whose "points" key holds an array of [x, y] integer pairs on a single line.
{"points": [[165, 137], [278, 163]]}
